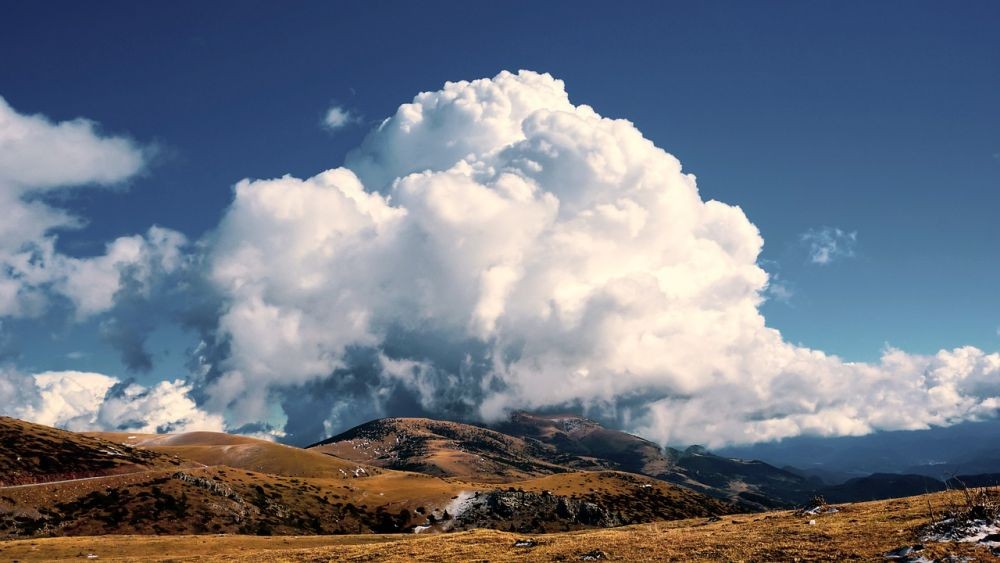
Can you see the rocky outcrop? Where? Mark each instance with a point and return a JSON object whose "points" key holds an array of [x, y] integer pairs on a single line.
{"points": [[530, 512]]}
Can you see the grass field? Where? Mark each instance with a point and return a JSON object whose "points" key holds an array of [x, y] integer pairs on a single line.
{"points": [[859, 532]]}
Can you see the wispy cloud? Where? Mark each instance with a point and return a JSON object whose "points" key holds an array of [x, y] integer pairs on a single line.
{"points": [[338, 117], [779, 291], [828, 244]]}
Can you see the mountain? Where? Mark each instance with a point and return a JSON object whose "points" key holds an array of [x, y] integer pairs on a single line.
{"points": [[880, 486], [971, 481], [451, 449], [201, 483], [821, 477], [753, 483], [529, 445], [588, 440], [939, 452]]}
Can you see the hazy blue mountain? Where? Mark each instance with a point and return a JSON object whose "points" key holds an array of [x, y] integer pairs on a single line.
{"points": [[967, 448]]}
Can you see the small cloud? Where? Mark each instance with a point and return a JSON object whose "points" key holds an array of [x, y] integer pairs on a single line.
{"points": [[829, 243], [338, 117], [780, 292], [76, 355]]}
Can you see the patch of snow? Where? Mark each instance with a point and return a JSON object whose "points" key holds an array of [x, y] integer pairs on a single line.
{"points": [[419, 529], [820, 510], [460, 504], [963, 532]]}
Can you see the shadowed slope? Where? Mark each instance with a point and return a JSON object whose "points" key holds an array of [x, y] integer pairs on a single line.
{"points": [[33, 453], [755, 484]]}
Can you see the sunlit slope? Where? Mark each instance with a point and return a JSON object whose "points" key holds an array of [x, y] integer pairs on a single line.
{"points": [[242, 452], [449, 449], [209, 483]]}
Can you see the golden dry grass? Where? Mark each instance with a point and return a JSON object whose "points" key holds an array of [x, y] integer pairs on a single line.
{"points": [[858, 532], [447, 449], [242, 452]]}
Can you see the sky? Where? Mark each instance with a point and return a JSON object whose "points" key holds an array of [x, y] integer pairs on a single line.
{"points": [[857, 140]]}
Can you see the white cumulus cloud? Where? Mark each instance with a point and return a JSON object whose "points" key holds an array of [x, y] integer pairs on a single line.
{"points": [[491, 246], [500, 247], [37, 156], [92, 401], [338, 117]]}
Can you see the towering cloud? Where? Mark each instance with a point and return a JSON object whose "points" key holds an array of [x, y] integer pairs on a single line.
{"points": [[493, 246]]}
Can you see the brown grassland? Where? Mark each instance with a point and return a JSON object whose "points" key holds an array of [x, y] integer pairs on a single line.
{"points": [[858, 532]]}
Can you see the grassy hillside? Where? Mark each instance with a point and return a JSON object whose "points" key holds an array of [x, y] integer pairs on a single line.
{"points": [[202, 483], [863, 531], [225, 500], [532, 445], [448, 449], [241, 452], [32, 453]]}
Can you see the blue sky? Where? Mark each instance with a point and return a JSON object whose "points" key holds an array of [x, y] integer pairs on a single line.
{"points": [[876, 118]]}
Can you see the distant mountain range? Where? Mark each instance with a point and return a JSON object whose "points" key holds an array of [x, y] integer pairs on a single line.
{"points": [[963, 449]]}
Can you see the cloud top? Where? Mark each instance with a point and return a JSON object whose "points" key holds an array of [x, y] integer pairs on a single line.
{"points": [[495, 247], [491, 246]]}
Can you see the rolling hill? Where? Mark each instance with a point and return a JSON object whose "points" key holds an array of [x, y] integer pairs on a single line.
{"points": [[874, 531], [242, 452], [388, 476], [32, 453], [531, 445], [450, 449], [200, 483]]}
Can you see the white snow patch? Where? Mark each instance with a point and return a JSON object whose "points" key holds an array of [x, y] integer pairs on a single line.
{"points": [[460, 503], [820, 510], [966, 532]]}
